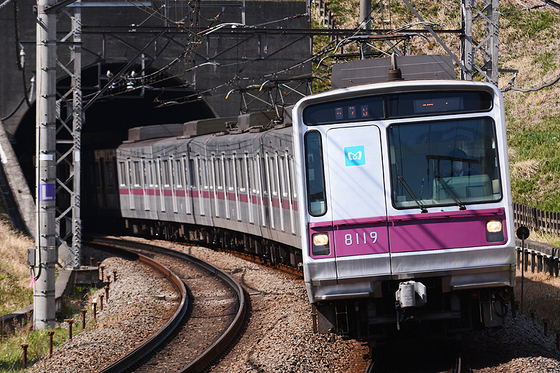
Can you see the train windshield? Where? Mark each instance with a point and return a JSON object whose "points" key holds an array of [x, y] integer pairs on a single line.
{"points": [[444, 163]]}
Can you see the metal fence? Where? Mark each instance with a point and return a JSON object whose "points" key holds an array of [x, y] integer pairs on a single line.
{"points": [[535, 219], [539, 257]]}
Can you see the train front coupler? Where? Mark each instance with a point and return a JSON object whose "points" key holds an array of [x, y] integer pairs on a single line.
{"points": [[410, 295]]}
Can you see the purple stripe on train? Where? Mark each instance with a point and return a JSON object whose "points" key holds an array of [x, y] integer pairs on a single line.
{"points": [[406, 233]]}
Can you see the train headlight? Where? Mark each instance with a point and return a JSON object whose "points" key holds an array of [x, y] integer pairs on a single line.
{"points": [[494, 231], [321, 245]]}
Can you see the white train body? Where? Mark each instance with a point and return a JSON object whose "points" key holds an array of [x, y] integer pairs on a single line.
{"points": [[380, 206]]}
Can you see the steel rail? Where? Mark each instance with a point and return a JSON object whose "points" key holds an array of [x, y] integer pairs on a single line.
{"points": [[213, 351], [163, 333]]}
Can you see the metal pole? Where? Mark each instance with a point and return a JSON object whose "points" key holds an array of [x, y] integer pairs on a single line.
{"points": [[365, 22], [466, 39], [77, 114], [493, 33], [44, 305], [522, 270]]}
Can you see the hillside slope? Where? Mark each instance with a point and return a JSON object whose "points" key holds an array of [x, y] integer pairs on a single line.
{"points": [[528, 42]]}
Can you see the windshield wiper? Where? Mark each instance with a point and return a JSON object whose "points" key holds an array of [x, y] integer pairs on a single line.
{"points": [[412, 194], [451, 192]]}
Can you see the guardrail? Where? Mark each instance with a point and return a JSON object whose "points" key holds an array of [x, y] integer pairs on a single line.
{"points": [[539, 257]]}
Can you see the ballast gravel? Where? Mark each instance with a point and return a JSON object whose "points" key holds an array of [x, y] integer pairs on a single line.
{"points": [[278, 336], [141, 302]]}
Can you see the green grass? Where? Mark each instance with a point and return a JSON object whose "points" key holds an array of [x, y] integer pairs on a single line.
{"points": [[535, 168], [11, 352]]}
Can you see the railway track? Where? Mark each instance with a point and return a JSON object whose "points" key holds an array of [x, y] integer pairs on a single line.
{"points": [[200, 330], [419, 355]]}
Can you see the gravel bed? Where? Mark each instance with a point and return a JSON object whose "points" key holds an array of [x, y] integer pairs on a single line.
{"points": [[520, 346], [141, 302], [278, 337]]}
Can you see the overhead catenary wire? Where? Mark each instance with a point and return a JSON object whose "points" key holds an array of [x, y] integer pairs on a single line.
{"points": [[236, 80]]}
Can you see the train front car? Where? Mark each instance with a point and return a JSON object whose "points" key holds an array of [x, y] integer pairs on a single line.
{"points": [[406, 207]]}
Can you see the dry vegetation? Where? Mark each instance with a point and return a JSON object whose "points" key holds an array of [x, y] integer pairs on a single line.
{"points": [[542, 294], [528, 42], [15, 292]]}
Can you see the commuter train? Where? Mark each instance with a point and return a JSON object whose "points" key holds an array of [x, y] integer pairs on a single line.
{"points": [[394, 198]]}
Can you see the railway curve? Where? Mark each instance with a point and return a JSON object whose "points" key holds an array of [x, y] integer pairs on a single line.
{"points": [[169, 343]]}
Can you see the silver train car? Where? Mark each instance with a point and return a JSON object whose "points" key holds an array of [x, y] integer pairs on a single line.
{"points": [[394, 198], [230, 188], [405, 207]]}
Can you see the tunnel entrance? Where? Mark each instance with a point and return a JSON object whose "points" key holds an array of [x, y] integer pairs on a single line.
{"points": [[126, 105]]}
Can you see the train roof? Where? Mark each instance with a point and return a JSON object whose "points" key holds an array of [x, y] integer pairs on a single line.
{"points": [[250, 122], [433, 67]]}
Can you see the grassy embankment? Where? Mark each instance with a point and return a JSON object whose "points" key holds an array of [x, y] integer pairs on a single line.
{"points": [[15, 294]]}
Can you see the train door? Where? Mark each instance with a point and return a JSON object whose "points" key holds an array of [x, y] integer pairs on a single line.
{"points": [[357, 201]]}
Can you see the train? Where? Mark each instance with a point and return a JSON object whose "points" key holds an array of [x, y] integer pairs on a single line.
{"points": [[392, 197]]}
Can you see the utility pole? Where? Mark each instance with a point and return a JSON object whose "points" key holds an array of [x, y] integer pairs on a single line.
{"points": [[365, 22], [44, 301], [487, 48]]}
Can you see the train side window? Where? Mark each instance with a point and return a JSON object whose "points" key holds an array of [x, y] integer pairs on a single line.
{"points": [[254, 175], [283, 172], [165, 173], [109, 173], [272, 175], [229, 172], [191, 173], [203, 178], [212, 173], [122, 174], [264, 174], [179, 174], [241, 170], [136, 173], [218, 173], [292, 176], [96, 173], [144, 172], [314, 175], [151, 181], [246, 172], [129, 180], [223, 170]]}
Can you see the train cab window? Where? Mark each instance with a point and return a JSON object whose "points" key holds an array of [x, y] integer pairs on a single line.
{"points": [[314, 175], [444, 163]]}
